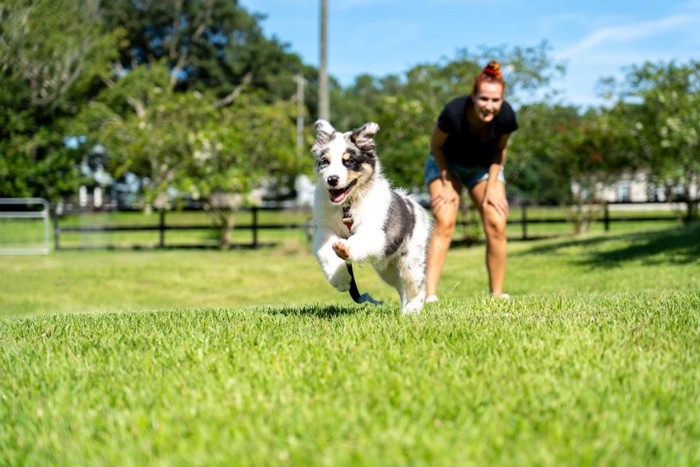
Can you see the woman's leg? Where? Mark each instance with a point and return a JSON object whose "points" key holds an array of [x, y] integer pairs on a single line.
{"points": [[495, 231], [443, 229]]}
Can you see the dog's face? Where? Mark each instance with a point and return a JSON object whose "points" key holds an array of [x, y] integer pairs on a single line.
{"points": [[345, 162]]}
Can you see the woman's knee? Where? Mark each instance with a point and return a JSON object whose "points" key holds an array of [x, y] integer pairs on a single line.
{"points": [[445, 224], [494, 226]]}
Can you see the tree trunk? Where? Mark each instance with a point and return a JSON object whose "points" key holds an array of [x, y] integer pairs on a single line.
{"points": [[691, 203], [226, 231]]}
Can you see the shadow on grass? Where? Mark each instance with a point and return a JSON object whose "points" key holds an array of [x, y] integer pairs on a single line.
{"points": [[677, 245], [129, 247], [323, 311]]}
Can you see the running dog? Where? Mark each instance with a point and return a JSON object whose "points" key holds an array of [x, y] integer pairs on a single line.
{"points": [[358, 217]]}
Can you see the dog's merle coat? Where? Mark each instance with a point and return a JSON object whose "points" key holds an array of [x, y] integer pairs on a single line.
{"points": [[388, 229]]}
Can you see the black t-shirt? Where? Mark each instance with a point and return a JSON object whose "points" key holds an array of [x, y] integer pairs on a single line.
{"points": [[465, 149]]}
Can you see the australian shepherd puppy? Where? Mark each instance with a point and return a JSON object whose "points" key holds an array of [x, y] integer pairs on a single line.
{"points": [[358, 217]]}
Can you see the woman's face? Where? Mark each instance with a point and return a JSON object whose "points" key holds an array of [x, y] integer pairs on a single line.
{"points": [[488, 101]]}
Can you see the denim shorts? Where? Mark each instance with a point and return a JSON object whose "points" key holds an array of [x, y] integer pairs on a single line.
{"points": [[469, 176]]}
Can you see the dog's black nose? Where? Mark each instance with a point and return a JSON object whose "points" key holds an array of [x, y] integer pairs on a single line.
{"points": [[333, 180]]}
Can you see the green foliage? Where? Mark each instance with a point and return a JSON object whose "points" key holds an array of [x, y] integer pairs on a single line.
{"points": [[51, 53], [535, 149], [150, 80], [667, 127], [209, 45], [57, 57], [407, 107], [187, 142], [37, 165], [592, 153], [48, 45]]}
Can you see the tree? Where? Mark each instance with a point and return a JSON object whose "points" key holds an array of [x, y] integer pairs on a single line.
{"points": [[207, 45], [57, 56], [534, 156], [667, 129], [187, 142], [594, 153], [52, 52], [244, 147], [407, 107]]}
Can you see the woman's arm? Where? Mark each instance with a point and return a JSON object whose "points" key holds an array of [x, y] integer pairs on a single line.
{"points": [[493, 196], [436, 143], [448, 195]]}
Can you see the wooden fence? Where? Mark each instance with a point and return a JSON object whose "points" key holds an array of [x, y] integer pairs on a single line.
{"points": [[607, 217], [162, 227], [525, 220]]}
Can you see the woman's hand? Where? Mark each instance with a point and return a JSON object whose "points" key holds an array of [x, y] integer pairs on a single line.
{"points": [[497, 199], [447, 196]]}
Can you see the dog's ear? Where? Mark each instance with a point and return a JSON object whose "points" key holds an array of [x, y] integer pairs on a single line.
{"points": [[324, 134], [363, 137]]}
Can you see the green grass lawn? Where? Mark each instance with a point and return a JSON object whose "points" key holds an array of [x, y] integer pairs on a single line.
{"points": [[207, 357]]}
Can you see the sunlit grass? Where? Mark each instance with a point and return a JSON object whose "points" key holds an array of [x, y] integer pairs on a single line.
{"points": [[250, 358], [287, 274]]}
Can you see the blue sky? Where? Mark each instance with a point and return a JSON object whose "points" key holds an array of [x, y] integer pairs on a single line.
{"points": [[594, 38]]}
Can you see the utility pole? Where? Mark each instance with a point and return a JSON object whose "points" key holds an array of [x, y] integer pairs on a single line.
{"points": [[300, 113], [323, 102]]}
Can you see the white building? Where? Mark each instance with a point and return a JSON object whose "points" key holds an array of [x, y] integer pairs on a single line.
{"points": [[638, 188]]}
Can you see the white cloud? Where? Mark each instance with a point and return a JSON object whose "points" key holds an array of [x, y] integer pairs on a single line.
{"points": [[626, 33]]}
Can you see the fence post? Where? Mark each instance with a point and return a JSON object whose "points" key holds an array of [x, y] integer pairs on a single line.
{"points": [[161, 242], [606, 218], [523, 221], [255, 226], [56, 230]]}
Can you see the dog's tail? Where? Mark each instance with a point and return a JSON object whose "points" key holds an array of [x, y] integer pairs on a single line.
{"points": [[355, 293]]}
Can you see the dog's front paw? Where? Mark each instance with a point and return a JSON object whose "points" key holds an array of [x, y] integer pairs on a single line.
{"points": [[342, 249]]}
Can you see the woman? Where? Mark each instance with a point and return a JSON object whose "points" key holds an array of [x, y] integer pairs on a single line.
{"points": [[468, 149]]}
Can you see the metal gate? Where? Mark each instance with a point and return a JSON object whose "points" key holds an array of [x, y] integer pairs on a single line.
{"points": [[16, 236]]}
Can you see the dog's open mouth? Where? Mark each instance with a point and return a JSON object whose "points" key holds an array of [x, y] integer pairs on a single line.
{"points": [[338, 194]]}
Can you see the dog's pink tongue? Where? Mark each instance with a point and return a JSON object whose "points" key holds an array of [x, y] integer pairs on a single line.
{"points": [[337, 195]]}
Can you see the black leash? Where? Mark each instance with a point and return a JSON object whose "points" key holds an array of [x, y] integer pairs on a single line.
{"points": [[354, 292]]}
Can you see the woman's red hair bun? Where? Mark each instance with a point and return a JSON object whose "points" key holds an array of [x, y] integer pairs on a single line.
{"points": [[490, 74], [493, 69]]}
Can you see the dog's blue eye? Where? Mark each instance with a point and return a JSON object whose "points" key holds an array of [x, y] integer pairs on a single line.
{"points": [[323, 163]]}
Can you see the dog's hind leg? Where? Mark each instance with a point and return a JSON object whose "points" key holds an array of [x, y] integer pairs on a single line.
{"points": [[390, 275], [413, 264], [412, 300], [412, 272], [415, 304], [409, 285]]}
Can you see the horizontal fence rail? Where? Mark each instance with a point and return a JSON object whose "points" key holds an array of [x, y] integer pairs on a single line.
{"points": [[255, 226]]}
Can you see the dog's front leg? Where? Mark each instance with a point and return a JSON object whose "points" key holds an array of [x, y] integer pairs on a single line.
{"points": [[361, 246], [331, 264]]}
